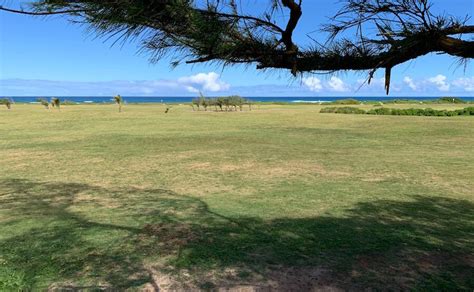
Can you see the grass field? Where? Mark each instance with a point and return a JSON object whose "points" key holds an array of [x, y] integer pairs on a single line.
{"points": [[281, 197]]}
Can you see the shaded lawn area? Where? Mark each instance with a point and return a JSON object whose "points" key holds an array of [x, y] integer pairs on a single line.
{"points": [[177, 207]]}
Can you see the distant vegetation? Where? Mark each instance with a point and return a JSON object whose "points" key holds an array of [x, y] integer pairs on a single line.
{"points": [[229, 103], [346, 101], [43, 102], [119, 101], [446, 99], [343, 110], [69, 102], [55, 102], [468, 111], [7, 102]]}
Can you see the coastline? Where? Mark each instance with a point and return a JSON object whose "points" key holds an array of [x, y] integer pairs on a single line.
{"points": [[262, 100]]}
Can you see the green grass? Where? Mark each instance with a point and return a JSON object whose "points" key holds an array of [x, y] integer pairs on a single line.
{"points": [[280, 197]]}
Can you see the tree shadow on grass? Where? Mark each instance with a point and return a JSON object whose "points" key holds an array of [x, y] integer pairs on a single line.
{"points": [[76, 236]]}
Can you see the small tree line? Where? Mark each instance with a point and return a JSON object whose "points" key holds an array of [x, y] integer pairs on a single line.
{"points": [[227, 103]]}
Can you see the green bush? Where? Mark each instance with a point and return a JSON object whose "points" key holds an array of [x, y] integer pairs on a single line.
{"points": [[346, 101], [343, 110], [469, 111], [396, 101], [328, 110], [350, 110], [448, 99], [379, 111]]}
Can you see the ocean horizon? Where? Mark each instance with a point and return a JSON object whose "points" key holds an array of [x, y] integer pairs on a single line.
{"points": [[187, 99]]}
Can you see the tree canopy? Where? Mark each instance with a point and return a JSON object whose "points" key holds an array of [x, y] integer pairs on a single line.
{"points": [[382, 33]]}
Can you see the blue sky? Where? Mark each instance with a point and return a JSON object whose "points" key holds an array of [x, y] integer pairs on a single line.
{"points": [[50, 56]]}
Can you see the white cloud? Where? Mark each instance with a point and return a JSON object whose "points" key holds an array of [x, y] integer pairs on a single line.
{"points": [[465, 83], [313, 83], [408, 81], [192, 89], [440, 82], [337, 84], [208, 82]]}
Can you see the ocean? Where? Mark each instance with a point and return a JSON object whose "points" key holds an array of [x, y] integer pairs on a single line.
{"points": [[182, 99]]}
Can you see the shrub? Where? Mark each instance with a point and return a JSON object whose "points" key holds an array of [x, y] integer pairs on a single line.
{"points": [[343, 110], [346, 101], [328, 110], [448, 99], [350, 110], [401, 101], [379, 111], [469, 111]]}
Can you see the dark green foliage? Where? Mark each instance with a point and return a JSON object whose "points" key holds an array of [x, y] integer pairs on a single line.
{"points": [[346, 101], [421, 112], [328, 110], [380, 111], [448, 99], [468, 111], [7, 102], [401, 101], [343, 110]]}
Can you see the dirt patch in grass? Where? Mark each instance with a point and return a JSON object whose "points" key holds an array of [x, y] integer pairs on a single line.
{"points": [[99, 201], [172, 236], [368, 272]]}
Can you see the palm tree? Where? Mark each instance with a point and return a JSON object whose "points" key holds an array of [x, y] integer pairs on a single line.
{"points": [[118, 100]]}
